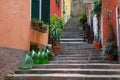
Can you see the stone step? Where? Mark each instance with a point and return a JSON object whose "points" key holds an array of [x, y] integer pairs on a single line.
{"points": [[76, 61], [78, 52], [79, 55], [61, 76], [75, 27], [89, 50], [75, 71], [68, 45], [71, 30], [72, 33], [80, 66], [86, 50], [77, 44], [79, 58], [72, 36], [70, 48], [71, 40]]}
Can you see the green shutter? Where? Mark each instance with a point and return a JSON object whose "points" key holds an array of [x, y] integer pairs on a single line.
{"points": [[46, 11], [35, 9]]}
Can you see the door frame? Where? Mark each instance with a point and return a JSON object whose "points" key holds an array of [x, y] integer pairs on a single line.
{"points": [[117, 26]]}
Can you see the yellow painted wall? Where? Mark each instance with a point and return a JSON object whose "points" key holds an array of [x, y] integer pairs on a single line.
{"points": [[67, 3], [67, 10]]}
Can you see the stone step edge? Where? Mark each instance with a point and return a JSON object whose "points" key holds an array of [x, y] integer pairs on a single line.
{"points": [[71, 39], [86, 64], [63, 75], [73, 69], [70, 42]]}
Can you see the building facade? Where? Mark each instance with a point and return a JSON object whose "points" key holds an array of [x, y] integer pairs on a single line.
{"points": [[56, 7], [16, 32], [66, 10]]}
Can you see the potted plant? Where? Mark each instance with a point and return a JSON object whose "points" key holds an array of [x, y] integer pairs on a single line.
{"points": [[55, 31], [39, 25], [96, 12], [111, 47], [111, 51]]}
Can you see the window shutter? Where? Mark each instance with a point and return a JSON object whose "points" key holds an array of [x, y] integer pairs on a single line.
{"points": [[35, 9], [46, 11]]}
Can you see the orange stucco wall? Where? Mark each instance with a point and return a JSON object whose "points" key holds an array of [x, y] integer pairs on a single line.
{"points": [[15, 24], [111, 5], [38, 37]]}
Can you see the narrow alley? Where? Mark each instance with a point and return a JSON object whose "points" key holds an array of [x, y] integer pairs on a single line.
{"points": [[78, 61], [59, 39]]}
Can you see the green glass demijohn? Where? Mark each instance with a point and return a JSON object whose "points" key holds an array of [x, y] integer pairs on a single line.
{"points": [[49, 54], [26, 61], [34, 57], [44, 57], [40, 58]]}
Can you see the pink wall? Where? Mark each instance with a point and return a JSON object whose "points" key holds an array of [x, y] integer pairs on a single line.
{"points": [[111, 5], [15, 24], [54, 8]]}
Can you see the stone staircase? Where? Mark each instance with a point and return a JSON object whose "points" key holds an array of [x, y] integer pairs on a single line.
{"points": [[77, 61]]}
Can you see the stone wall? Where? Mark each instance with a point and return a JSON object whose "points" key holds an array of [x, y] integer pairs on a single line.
{"points": [[9, 60], [77, 7]]}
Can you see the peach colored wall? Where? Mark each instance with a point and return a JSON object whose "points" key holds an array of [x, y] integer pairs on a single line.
{"points": [[38, 37], [15, 24], [111, 5]]}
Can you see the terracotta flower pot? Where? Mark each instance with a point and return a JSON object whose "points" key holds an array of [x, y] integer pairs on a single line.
{"points": [[110, 57], [96, 45], [56, 49]]}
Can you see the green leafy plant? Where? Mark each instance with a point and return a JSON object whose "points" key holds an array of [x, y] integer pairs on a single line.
{"points": [[83, 19], [55, 30], [97, 7], [110, 41], [39, 25], [37, 22], [111, 47]]}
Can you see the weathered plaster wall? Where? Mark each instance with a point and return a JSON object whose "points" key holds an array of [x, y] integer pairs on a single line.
{"points": [[9, 60], [55, 9], [77, 7], [14, 33], [15, 24], [67, 7], [111, 6]]}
